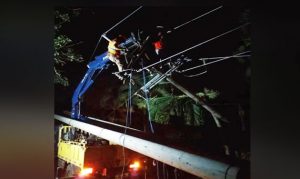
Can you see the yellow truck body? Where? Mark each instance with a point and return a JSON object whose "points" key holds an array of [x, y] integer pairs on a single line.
{"points": [[79, 155]]}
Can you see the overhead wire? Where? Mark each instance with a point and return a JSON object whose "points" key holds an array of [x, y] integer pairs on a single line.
{"points": [[111, 29], [195, 75], [123, 19], [95, 48], [239, 55], [128, 116], [219, 59], [157, 169], [179, 26], [197, 45], [147, 100]]}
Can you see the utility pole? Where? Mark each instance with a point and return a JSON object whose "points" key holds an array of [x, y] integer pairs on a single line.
{"points": [[194, 164]]}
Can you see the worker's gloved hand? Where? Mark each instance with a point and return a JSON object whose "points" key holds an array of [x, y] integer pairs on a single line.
{"points": [[123, 52]]}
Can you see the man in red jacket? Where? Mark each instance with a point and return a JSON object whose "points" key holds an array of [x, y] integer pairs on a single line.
{"points": [[159, 42]]}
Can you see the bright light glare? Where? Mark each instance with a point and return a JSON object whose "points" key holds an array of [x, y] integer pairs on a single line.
{"points": [[86, 171], [135, 166]]}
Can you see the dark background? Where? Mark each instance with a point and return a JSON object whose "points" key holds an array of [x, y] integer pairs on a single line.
{"points": [[27, 105]]}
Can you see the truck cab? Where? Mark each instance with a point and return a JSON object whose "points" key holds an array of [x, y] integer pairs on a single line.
{"points": [[83, 155]]}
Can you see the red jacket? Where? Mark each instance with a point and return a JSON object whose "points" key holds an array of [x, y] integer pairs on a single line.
{"points": [[158, 45]]}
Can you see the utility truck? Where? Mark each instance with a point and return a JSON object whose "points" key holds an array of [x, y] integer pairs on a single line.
{"points": [[83, 155]]}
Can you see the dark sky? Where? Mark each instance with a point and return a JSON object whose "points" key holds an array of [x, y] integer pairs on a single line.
{"points": [[92, 22], [228, 76]]}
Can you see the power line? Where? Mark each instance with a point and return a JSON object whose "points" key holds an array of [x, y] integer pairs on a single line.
{"points": [[177, 27], [202, 43]]}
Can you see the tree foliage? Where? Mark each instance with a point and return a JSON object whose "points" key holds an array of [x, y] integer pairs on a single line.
{"points": [[164, 105], [63, 47]]}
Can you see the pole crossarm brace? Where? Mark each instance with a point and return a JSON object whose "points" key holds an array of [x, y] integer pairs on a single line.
{"points": [[199, 166], [216, 59]]}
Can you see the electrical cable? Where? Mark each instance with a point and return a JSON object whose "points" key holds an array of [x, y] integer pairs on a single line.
{"points": [[197, 45], [147, 99], [197, 17], [95, 48], [122, 20], [195, 75], [111, 29], [226, 172], [221, 59], [157, 169], [128, 115]]}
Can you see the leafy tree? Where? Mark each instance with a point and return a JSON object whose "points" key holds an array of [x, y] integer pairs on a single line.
{"points": [[164, 104], [63, 47]]}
